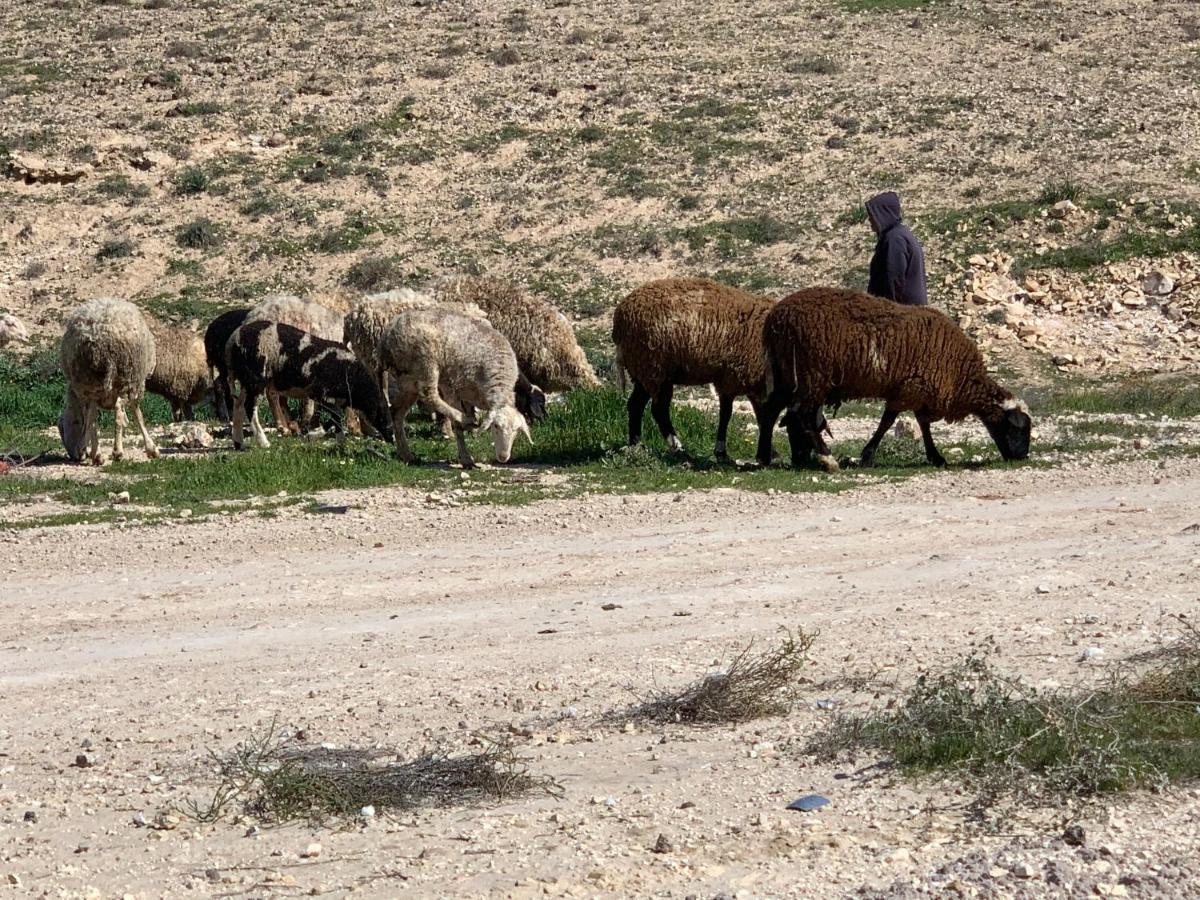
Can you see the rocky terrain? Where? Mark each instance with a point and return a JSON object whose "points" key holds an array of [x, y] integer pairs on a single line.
{"points": [[196, 155]]}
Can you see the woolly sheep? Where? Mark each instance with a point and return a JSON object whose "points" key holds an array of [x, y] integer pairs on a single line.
{"points": [[307, 315], [216, 336], [264, 355], [454, 364], [541, 337], [688, 331], [107, 353], [828, 345], [12, 330], [181, 372]]}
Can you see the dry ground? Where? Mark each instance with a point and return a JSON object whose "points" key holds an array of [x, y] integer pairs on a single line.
{"points": [[408, 627]]}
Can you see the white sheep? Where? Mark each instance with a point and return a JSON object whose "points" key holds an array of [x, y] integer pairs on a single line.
{"points": [[454, 364], [12, 330], [107, 353]]}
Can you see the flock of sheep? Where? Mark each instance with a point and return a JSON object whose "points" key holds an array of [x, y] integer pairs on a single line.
{"points": [[481, 354]]}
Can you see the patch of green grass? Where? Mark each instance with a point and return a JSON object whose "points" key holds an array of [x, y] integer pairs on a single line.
{"points": [[730, 238], [197, 108], [191, 180], [262, 203], [1006, 737], [812, 64], [376, 273], [114, 186], [189, 268], [344, 238], [1172, 396]]}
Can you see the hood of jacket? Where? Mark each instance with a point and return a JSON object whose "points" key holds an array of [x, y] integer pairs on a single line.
{"points": [[884, 210]]}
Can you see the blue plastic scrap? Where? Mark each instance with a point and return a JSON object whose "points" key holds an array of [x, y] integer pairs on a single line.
{"points": [[809, 802]]}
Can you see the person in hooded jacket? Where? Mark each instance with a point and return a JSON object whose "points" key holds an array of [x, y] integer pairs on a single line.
{"points": [[898, 266]]}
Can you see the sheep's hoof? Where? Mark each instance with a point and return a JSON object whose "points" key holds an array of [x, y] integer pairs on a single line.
{"points": [[938, 460], [97, 459], [117, 455], [152, 452], [829, 464]]}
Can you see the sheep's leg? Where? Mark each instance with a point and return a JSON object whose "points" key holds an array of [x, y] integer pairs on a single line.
{"points": [[118, 430], [660, 409], [464, 455], [638, 398], [888, 419], [726, 413], [239, 418], [223, 395], [931, 452], [147, 442], [91, 433], [768, 415], [799, 440], [308, 416], [260, 436], [400, 408]]}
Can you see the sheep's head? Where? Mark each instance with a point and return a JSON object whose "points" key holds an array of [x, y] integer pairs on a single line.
{"points": [[12, 330], [72, 427], [530, 399], [1011, 427], [505, 424]]}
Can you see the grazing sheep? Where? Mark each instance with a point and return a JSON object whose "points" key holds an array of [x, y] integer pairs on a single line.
{"points": [[107, 353], [370, 317], [181, 372], [689, 331], [454, 364], [12, 330], [216, 336], [265, 356], [307, 315], [828, 345], [541, 337]]}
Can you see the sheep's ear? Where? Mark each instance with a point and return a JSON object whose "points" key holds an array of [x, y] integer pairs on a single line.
{"points": [[524, 429], [488, 421]]}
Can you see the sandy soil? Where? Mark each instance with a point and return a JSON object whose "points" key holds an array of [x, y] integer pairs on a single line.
{"points": [[402, 626]]}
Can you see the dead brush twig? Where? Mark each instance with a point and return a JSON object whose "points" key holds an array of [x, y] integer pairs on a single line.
{"points": [[277, 781], [750, 687]]}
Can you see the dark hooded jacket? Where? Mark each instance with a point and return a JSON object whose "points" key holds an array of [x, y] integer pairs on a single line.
{"points": [[898, 266]]}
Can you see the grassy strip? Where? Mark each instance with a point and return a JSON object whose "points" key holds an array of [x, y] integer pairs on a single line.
{"points": [[1007, 738]]}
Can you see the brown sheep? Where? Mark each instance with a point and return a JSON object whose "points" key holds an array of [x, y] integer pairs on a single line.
{"points": [[828, 345], [690, 331], [181, 373], [547, 352]]}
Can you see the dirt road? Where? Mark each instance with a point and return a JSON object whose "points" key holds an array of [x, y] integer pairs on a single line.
{"points": [[405, 625]]}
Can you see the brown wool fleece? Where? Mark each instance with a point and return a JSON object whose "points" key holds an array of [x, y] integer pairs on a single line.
{"points": [[692, 331], [832, 344]]}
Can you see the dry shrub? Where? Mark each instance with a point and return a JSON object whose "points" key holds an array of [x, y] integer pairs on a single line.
{"points": [[750, 687], [277, 780]]}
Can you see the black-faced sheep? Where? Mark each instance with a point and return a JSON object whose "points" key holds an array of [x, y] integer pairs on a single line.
{"points": [[454, 365], [181, 371], [828, 345], [688, 331], [216, 336], [547, 353], [107, 353], [265, 356], [12, 330]]}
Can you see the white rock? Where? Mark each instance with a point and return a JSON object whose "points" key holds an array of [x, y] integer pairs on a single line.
{"points": [[1062, 209], [312, 851]]}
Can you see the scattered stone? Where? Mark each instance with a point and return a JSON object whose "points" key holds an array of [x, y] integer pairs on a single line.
{"points": [[31, 815], [191, 436], [1063, 209], [1158, 284], [213, 875], [662, 845], [1141, 443], [85, 760], [312, 851], [367, 812], [14, 879], [609, 607], [119, 498], [1024, 870]]}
